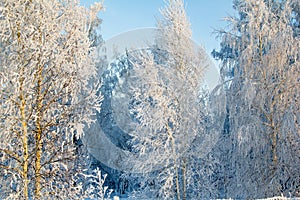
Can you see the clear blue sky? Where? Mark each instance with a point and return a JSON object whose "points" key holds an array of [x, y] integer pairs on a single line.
{"points": [[124, 15]]}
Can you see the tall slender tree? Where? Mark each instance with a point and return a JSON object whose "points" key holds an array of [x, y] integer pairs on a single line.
{"points": [[166, 102], [46, 98], [260, 65]]}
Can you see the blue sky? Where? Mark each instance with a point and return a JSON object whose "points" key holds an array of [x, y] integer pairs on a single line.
{"points": [[125, 15]]}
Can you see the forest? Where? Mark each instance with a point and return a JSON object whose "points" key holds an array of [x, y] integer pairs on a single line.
{"points": [[144, 125]]}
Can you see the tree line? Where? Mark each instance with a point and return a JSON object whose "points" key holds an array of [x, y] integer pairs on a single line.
{"points": [[49, 74]]}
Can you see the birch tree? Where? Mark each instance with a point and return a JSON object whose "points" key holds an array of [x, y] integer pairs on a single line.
{"points": [[166, 103], [46, 95], [261, 54]]}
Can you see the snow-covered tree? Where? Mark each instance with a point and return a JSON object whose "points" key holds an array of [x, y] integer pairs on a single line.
{"points": [[46, 96], [260, 66], [166, 104]]}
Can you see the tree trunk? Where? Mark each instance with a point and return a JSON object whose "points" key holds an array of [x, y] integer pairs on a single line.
{"points": [[273, 148], [38, 136], [177, 183], [24, 124], [25, 148], [184, 195], [175, 162]]}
